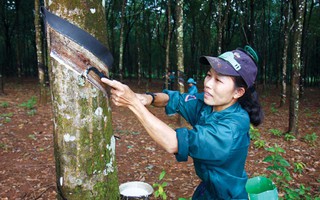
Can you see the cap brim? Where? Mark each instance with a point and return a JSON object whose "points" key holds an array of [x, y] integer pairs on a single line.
{"points": [[219, 65]]}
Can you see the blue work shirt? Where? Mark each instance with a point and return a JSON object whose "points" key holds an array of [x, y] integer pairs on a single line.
{"points": [[218, 144], [193, 89]]}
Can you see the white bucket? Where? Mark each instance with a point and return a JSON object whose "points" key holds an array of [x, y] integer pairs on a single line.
{"points": [[135, 190]]}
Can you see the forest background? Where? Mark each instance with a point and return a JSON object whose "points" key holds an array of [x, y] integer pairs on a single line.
{"points": [[138, 33], [209, 28], [147, 39]]}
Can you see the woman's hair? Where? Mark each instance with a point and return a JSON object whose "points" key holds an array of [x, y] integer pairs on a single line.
{"points": [[250, 102]]}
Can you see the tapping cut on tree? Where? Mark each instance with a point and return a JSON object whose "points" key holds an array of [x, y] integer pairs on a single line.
{"points": [[77, 50]]}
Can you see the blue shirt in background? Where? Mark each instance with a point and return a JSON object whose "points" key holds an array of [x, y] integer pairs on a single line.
{"points": [[193, 89]]}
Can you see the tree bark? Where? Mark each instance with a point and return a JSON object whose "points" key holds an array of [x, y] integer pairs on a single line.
{"points": [[180, 54], [18, 46], [304, 48], [168, 43], [139, 52], [222, 19], [283, 98], [83, 142], [121, 43], [40, 57], [6, 28], [296, 66]]}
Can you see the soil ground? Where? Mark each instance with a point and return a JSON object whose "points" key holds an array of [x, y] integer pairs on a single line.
{"points": [[27, 166]]}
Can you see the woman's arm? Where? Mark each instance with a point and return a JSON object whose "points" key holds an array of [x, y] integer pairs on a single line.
{"points": [[122, 95], [160, 99]]}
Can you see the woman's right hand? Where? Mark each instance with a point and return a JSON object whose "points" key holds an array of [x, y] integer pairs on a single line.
{"points": [[121, 94]]}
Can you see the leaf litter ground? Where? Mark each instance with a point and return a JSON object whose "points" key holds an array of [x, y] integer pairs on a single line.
{"points": [[27, 166]]}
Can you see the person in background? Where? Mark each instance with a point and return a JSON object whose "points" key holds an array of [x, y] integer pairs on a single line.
{"points": [[192, 86], [220, 118], [172, 80]]}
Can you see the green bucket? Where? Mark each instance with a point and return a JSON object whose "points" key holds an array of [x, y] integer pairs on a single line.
{"points": [[261, 188]]}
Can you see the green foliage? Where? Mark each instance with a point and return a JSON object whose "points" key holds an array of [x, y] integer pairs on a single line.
{"points": [[259, 143], [30, 104], [4, 104], [4, 146], [289, 137], [273, 108], [6, 116], [32, 112], [135, 132], [255, 136], [275, 132], [297, 194], [32, 136], [299, 167], [160, 187], [254, 133], [308, 112], [310, 138], [278, 166], [281, 176]]}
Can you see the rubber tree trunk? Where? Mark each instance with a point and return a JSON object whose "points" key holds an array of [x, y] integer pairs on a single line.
{"points": [[285, 53], [180, 53], [84, 144], [121, 39], [168, 43], [40, 57], [296, 67], [222, 20]]}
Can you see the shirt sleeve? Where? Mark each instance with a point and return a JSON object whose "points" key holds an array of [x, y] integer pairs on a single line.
{"points": [[188, 106]]}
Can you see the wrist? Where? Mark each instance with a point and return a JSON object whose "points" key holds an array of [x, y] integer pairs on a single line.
{"points": [[153, 95]]}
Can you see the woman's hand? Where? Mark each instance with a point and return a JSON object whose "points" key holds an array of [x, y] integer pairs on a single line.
{"points": [[121, 94]]}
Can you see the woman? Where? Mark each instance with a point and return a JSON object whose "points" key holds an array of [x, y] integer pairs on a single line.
{"points": [[220, 117]]}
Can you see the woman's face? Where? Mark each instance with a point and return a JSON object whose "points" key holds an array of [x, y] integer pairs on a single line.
{"points": [[220, 91]]}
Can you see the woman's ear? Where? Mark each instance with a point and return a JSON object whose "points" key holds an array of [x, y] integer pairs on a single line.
{"points": [[239, 92]]}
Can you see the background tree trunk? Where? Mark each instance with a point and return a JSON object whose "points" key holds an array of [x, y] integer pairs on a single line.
{"points": [[139, 52], [298, 9], [168, 43], [6, 29], [121, 41], [84, 144], [222, 19], [18, 46], [180, 54], [40, 57], [283, 98]]}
